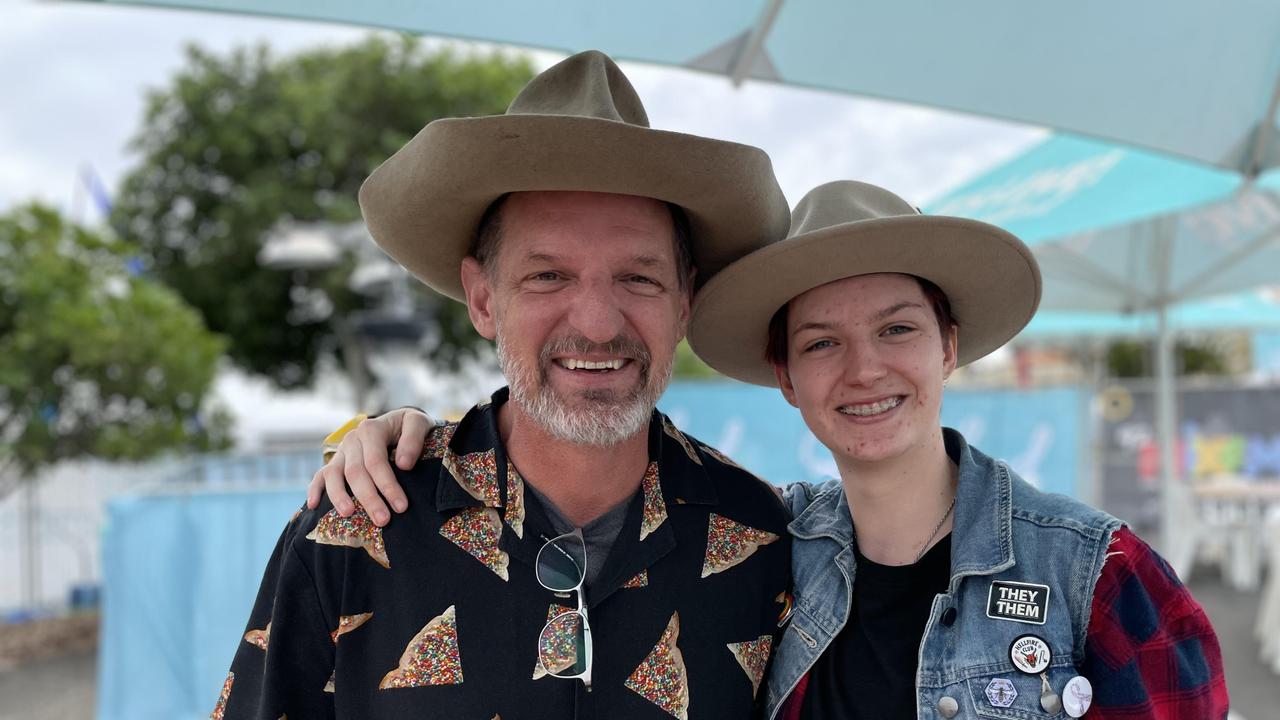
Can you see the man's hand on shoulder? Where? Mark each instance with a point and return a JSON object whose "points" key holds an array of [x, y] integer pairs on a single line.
{"points": [[360, 467]]}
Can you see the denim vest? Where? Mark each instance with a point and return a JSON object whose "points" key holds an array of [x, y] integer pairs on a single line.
{"points": [[1005, 531]]}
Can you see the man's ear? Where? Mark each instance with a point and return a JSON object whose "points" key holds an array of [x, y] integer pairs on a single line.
{"points": [[479, 292], [686, 302], [784, 384]]}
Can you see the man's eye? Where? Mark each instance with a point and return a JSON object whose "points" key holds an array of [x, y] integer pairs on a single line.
{"points": [[547, 276], [899, 329], [643, 280]]}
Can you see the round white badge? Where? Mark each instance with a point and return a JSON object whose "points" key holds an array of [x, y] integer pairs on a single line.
{"points": [[1030, 654], [1077, 696]]}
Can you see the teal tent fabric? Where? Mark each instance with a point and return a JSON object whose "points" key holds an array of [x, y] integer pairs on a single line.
{"points": [[1127, 232], [1186, 79]]}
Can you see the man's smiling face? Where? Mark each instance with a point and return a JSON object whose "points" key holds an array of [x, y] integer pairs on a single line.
{"points": [[584, 299]]}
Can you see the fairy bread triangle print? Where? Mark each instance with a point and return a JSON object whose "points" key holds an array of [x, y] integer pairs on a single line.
{"points": [[729, 543], [348, 623], [477, 530], [654, 512], [357, 531], [513, 513], [639, 580], [753, 656], [431, 658], [220, 708], [477, 473], [259, 638], [437, 441], [661, 678]]}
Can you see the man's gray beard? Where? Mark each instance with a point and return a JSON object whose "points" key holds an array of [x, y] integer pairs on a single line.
{"points": [[608, 418]]}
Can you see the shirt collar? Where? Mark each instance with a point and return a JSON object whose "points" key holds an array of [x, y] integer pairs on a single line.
{"points": [[474, 471], [827, 516]]}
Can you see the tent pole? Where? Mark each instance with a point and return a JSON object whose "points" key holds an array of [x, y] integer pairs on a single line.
{"points": [[755, 41], [1166, 431], [1262, 139]]}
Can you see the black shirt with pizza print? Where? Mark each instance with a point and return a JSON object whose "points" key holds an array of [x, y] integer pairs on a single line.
{"points": [[438, 615]]}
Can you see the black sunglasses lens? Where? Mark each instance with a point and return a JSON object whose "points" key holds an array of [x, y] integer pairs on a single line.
{"points": [[562, 563]]}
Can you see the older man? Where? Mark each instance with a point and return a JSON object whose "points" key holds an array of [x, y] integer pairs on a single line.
{"points": [[566, 551]]}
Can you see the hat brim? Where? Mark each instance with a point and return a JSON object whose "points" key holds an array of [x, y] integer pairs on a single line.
{"points": [[422, 206], [989, 276]]}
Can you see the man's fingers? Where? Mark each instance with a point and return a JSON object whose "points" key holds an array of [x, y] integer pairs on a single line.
{"points": [[413, 434], [379, 469]]}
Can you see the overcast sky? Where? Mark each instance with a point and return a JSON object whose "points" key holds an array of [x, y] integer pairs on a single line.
{"points": [[73, 78]]}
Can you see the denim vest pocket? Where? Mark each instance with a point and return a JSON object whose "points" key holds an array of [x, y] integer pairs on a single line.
{"points": [[1026, 706]]}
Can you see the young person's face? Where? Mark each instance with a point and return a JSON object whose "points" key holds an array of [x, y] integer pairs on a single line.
{"points": [[866, 362]]}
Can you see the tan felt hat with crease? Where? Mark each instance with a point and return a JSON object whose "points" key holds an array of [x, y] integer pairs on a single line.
{"points": [[845, 228], [577, 126]]}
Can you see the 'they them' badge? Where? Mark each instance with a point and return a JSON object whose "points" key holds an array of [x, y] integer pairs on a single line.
{"points": [[1018, 601]]}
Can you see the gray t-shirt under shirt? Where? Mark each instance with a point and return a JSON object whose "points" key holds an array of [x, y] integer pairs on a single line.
{"points": [[598, 535]]}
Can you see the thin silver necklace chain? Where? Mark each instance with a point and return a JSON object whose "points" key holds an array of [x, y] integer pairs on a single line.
{"points": [[936, 528]]}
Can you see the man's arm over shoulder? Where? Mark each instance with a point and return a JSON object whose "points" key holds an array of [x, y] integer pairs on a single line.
{"points": [[1150, 651], [286, 657]]}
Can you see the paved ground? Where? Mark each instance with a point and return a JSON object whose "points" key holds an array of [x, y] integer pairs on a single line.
{"points": [[59, 689], [64, 688]]}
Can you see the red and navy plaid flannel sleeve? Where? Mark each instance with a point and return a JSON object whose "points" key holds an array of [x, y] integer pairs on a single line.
{"points": [[1150, 651]]}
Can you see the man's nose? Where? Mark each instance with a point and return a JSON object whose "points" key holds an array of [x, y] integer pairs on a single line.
{"points": [[596, 312]]}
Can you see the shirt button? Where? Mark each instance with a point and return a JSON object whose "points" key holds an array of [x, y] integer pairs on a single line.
{"points": [[948, 707], [949, 617]]}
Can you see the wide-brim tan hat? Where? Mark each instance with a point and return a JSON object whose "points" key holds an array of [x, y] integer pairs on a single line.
{"points": [[842, 229], [577, 126]]}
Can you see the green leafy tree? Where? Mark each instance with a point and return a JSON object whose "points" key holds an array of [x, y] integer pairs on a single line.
{"points": [[236, 144], [95, 360], [1135, 358], [689, 366]]}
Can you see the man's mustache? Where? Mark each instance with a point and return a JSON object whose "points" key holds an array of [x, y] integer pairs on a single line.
{"points": [[621, 346]]}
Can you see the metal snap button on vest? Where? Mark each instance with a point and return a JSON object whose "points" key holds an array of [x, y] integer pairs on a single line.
{"points": [[948, 707], [949, 617]]}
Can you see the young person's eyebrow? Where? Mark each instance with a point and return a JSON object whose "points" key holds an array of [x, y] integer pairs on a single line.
{"points": [[811, 326], [893, 309]]}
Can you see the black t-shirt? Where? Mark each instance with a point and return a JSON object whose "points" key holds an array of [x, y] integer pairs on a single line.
{"points": [[869, 670]]}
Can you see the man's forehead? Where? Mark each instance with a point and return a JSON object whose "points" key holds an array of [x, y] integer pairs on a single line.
{"points": [[554, 224]]}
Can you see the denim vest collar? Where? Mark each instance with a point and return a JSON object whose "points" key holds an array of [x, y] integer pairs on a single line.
{"points": [[981, 539]]}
